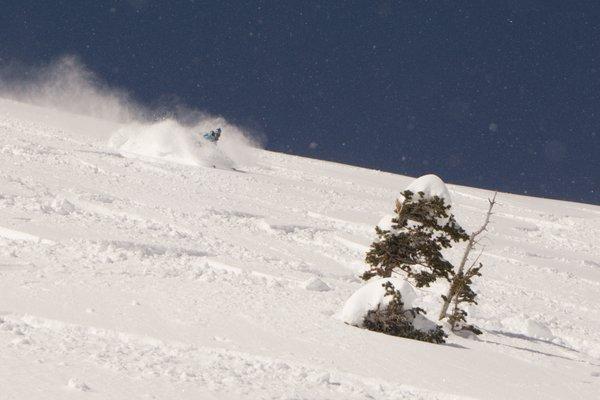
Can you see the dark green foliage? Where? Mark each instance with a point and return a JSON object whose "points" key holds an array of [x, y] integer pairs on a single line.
{"points": [[416, 239], [395, 320], [462, 293]]}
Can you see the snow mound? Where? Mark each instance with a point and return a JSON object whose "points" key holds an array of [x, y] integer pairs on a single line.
{"points": [[61, 206], [372, 295], [538, 330], [316, 285], [431, 185], [423, 324], [167, 140], [76, 384], [528, 327]]}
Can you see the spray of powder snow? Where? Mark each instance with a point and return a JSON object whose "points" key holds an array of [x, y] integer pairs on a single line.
{"points": [[170, 141], [175, 136], [66, 85]]}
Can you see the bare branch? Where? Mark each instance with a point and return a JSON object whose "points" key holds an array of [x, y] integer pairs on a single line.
{"points": [[487, 217], [453, 290], [475, 261]]}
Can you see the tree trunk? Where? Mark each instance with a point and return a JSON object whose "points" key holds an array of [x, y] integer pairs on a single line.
{"points": [[453, 289]]}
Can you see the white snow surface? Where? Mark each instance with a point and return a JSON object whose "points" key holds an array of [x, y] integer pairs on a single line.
{"points": [[372, 296], [146, 277]]}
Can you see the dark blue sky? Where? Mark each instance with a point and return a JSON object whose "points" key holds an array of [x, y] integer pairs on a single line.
{"points": [[494, 94]]}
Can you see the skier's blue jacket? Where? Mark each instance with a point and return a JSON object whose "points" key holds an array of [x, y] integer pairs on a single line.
{"points": [[213, 136]]}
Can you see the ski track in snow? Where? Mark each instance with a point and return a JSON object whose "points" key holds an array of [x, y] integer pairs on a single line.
{"points": [[130, 278]]}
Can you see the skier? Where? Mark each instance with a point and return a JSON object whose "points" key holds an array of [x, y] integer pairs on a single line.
{"points": [[213, 136]]}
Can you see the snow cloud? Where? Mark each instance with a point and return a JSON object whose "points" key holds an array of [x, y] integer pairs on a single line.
{"points": [[168, 131], [67, 85]]}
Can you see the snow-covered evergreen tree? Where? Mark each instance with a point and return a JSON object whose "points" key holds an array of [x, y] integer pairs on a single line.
{"points": [[422, 227], [412, 246]]}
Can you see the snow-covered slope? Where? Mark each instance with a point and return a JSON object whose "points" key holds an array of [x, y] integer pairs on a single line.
{"points": [[126, 278]]}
